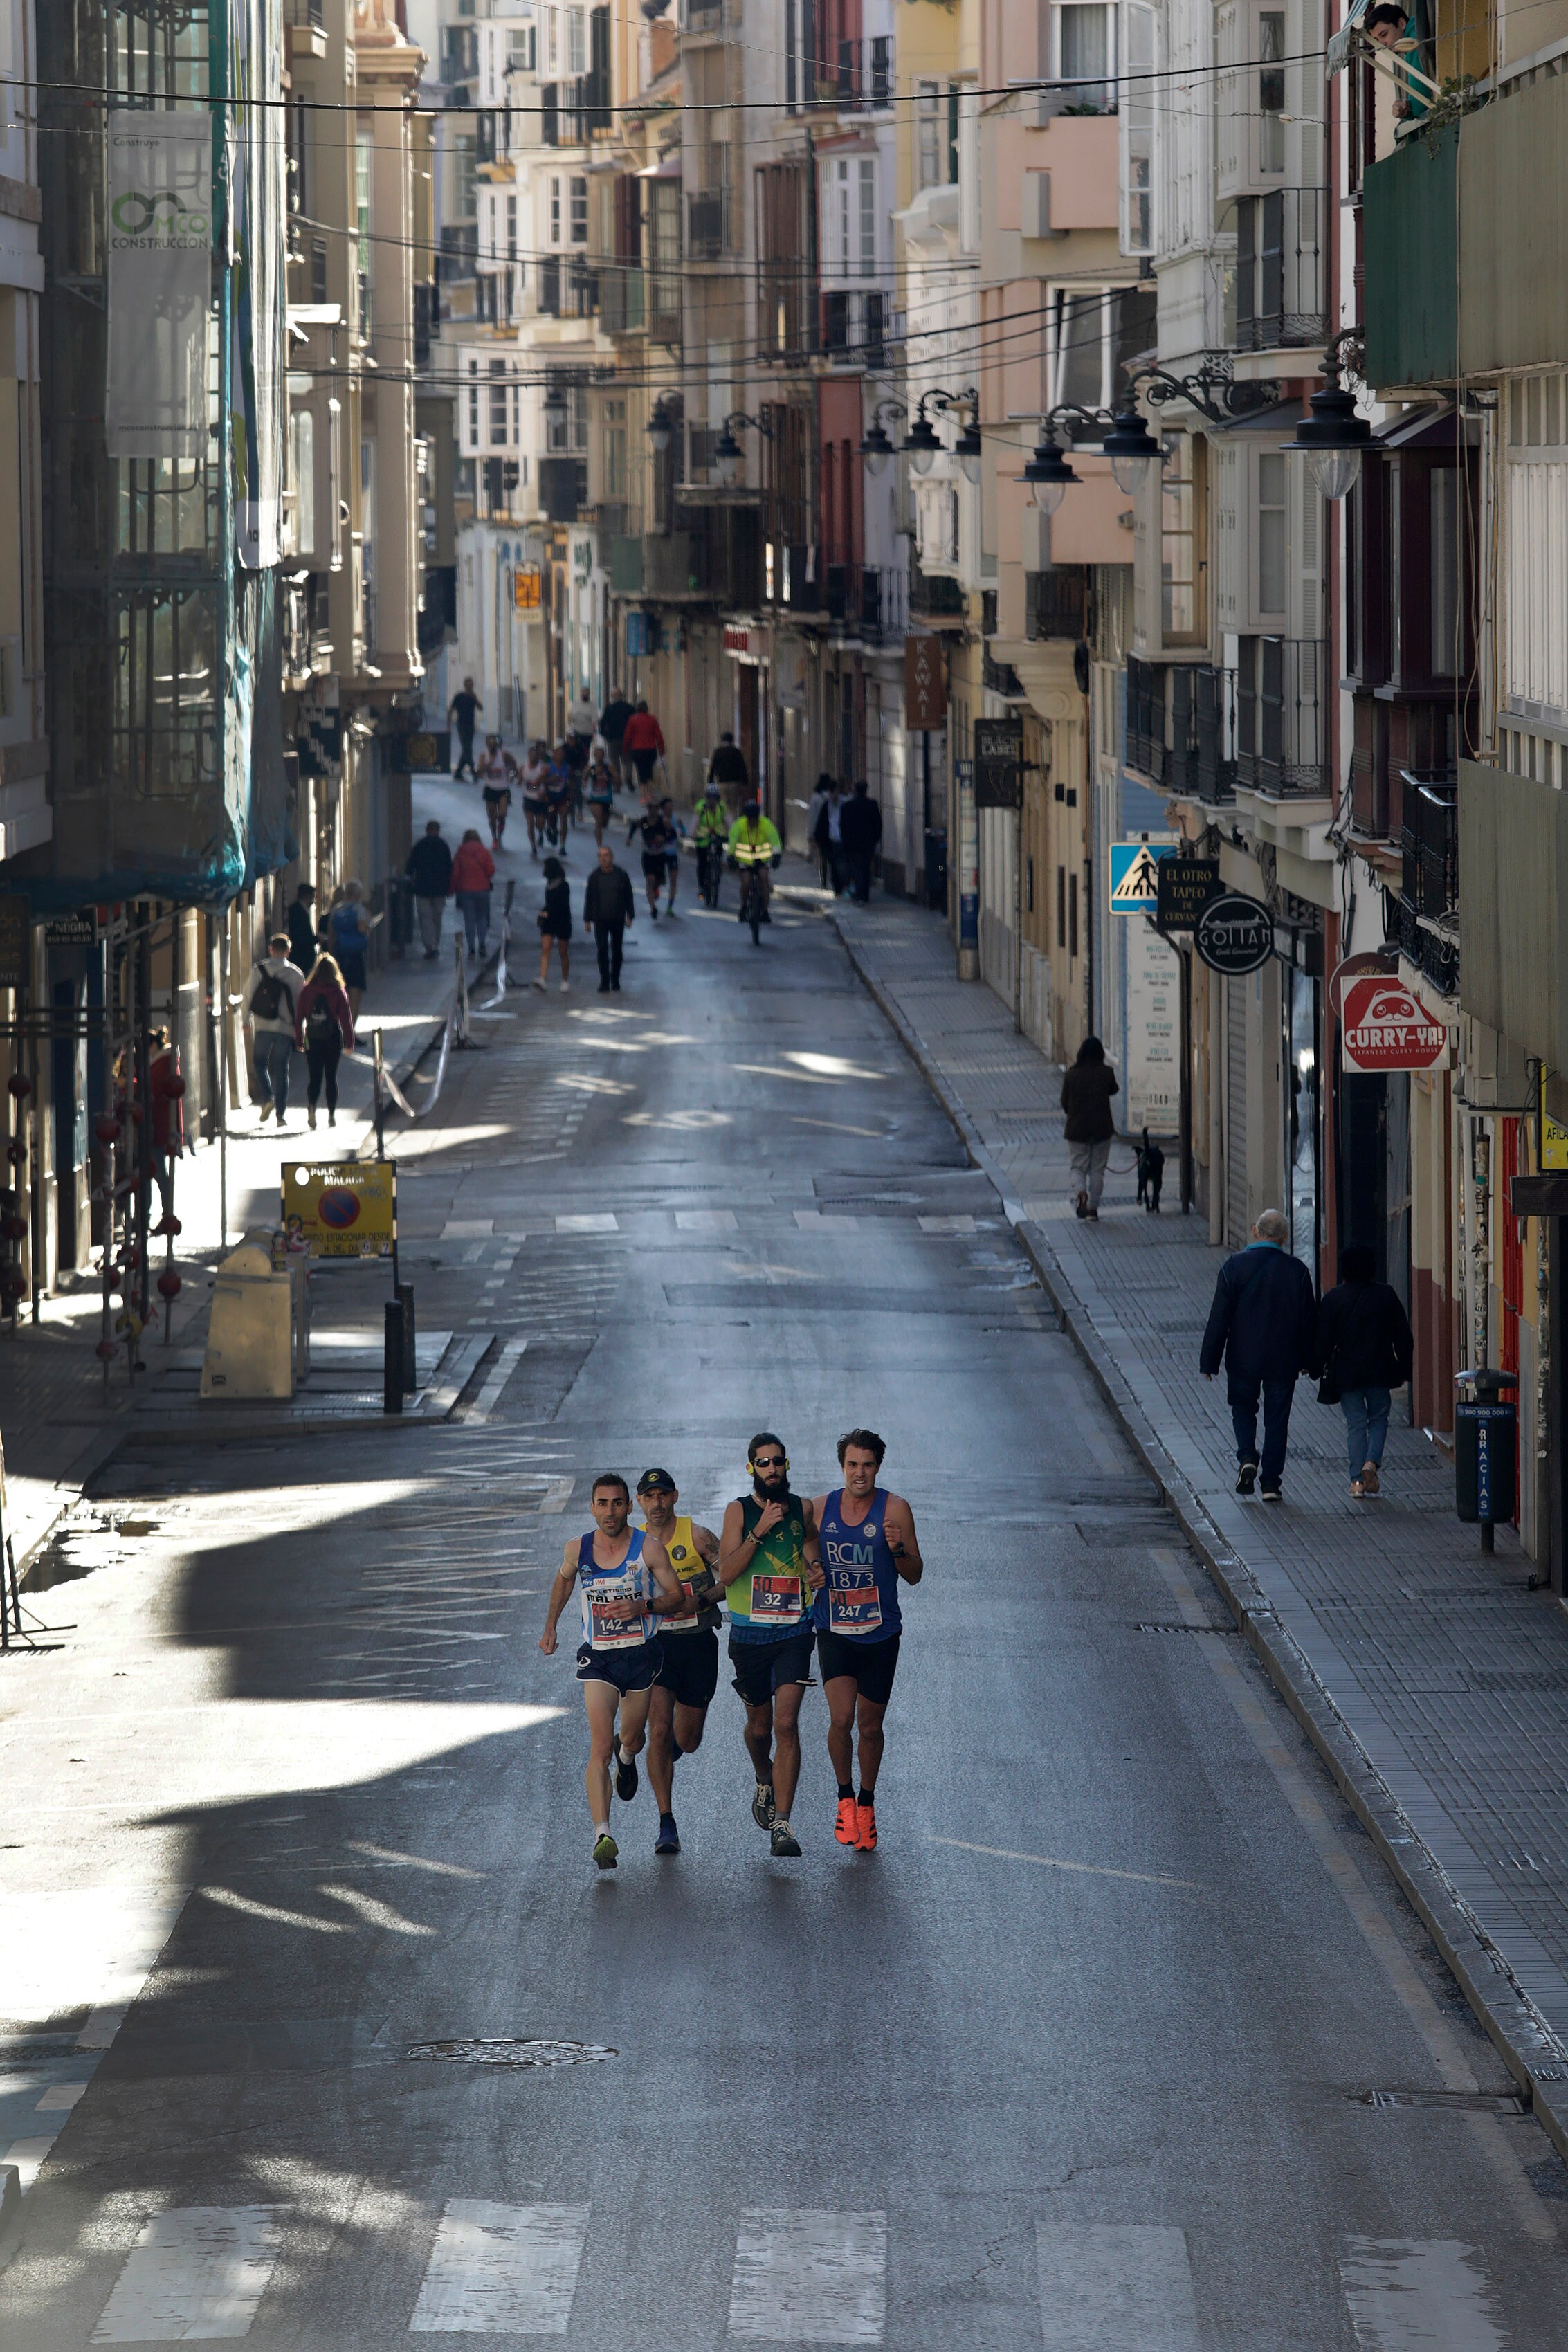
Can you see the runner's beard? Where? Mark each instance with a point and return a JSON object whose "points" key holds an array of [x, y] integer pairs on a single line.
{"points": [[771, 1490]]}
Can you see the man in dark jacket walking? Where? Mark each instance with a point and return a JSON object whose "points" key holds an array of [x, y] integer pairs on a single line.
{"points": [[1263, 1327], [608, 907], [860, 830], [302, 942], [429, 869]]}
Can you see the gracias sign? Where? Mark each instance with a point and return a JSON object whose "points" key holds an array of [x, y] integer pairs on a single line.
{"points": [[1386, 1026]]}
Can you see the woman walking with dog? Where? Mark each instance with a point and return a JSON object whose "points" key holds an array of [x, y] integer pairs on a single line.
{"points": [[1087, 1090]]}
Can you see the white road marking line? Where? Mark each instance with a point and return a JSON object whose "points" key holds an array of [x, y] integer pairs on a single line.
{"points": [[706, 1221], [1110, 2286], [468, 1229], [490, 1396], [58, 2096], [1091, 1869], [601, 1222], [813, 1220], [501, 2270], [810, 2278], [1414, 2295], [394, 1860], [194, 2274], [947, 1225], [28, 2155], [557, 1494]]}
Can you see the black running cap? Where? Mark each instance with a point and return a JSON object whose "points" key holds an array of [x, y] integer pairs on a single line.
{"points": [[651, 1478]]}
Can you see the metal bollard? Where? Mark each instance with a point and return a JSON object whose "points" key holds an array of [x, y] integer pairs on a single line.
{"points": [[410, 1368], [392, 1358]]}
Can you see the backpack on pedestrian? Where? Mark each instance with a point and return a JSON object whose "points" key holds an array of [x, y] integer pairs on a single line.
{"points": [[271, 993]]}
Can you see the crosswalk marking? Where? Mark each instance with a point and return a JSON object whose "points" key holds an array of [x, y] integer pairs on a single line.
{"points": [[501, 2270], [706, 1221], [810, 2278], [1420, 2294], [490, 1396], [1111, 2286], [816, 1221], [593, 1222], [946, 1224], [194, 2275]]}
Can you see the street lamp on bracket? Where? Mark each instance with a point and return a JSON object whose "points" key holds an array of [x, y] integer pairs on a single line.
{"points": [[1124, 438], [1333, 438], [729, 457], [922, 446]]}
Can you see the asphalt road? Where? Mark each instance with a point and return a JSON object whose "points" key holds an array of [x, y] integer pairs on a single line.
{"points": [[1082, 2060]]}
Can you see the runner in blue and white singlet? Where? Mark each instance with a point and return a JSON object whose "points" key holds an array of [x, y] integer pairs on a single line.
{"points": [[626, 1585], [867, 1543]]}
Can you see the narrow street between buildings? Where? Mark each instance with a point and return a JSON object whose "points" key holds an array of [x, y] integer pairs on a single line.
{"points": [[322, 2029]]}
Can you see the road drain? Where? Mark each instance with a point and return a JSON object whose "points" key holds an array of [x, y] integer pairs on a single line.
{"points": [[516, 2054], [1464, 2103], [1155, 1626]]}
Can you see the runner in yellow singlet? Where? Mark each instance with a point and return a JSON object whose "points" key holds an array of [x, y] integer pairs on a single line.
{"points": [[689, 1673]]}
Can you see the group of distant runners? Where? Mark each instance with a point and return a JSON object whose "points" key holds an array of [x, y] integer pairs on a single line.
{"points": [[796, 1576]]}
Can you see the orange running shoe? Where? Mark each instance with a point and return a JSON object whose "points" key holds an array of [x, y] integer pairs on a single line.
{"points": [[846, 1828], [866, 1828]]}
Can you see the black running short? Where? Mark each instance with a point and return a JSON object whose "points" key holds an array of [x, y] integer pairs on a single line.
{"points": [[654, 864], [629, 1670], [872, 1665], [689, 1671], [764, 1667]]}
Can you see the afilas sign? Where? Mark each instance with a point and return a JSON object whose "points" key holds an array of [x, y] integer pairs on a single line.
{"points": [[1387, 1027]]}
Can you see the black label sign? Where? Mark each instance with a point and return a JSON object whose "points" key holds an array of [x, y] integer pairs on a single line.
{"points": [[72, 931], [1234, 934], [998, 762], [1184, 886]]}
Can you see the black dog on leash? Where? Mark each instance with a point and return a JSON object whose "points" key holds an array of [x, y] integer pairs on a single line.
{"points": [[1150, 1174]]}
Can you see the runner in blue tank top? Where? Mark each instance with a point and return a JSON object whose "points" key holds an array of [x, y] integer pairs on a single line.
{"points": [[867, 1539], [628, 1585]]}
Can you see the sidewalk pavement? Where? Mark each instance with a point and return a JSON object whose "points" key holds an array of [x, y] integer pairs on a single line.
{"points": [[60, 1420], [1432, 1681]]}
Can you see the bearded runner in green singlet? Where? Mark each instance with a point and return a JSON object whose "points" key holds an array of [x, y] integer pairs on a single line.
{"points": [[770, 1565]]}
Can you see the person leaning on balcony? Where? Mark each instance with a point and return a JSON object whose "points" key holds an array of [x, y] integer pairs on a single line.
{"points": [[1087, 1090], [1386, 24]]}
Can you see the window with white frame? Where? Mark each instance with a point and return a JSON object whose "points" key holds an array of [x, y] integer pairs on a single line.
{"points": [[1093, 332], [853, 216], [472, 435], [554, 204], [521, 50], [551, 44], [1273, 531], [1083, 46], [512, 228], [1271, 89], [302, 439], [497, 404], [567, 435], [867, 217], [576, 42], [579, 209], [928, 172]]}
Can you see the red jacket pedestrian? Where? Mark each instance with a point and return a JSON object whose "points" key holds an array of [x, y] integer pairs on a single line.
{"points": [[330, 993], [473, 867], [643, 733]]}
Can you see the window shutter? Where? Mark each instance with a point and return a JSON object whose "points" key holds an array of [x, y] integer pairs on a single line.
{"points": [[1305, 617], [1230, 598]]}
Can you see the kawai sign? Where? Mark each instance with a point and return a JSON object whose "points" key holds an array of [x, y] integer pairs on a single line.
{"points": [[1386, 1026]]}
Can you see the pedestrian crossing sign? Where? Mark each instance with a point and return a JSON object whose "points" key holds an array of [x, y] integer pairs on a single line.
{"points": [[1134, 876]]}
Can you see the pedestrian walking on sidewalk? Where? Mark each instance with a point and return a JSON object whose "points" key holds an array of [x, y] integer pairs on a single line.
{"points": [[349, 928], [555, 924], [429, 871], [860, 830], [1263, 1327], [324, 1033], [473, 871], [272, 992], [643, 742], [462, 711], [303, 940], [1366, 1349], [1087, 1089], [608, 907]]}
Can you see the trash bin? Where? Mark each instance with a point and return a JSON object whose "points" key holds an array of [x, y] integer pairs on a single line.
{"points": [[936, 868], [251, 1338], [1485, 1449]]}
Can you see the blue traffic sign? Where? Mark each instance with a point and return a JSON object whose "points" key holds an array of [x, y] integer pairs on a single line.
{"points": [[1134, 875]]}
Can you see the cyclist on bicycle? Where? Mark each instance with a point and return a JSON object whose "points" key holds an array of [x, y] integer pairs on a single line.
{"points": [[711, 833], [756, 847]]}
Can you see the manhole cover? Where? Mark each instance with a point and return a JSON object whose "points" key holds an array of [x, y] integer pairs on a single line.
{"points": [[516, 2054]]}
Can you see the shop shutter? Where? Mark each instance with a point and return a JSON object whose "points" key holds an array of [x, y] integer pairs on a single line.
{"points": [[1237, 1224]]}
